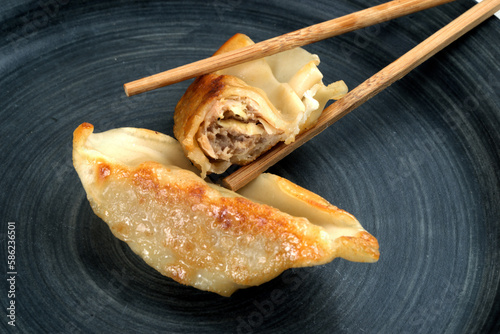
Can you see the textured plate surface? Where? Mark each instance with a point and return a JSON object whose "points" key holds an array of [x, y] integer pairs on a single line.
{"points": [[418, 165]]}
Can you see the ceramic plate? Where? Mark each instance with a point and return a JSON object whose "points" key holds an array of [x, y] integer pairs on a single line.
{"points": [[418, 165]]}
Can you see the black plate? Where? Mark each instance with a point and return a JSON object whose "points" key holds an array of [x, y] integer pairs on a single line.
{"points": [[418, 165]]}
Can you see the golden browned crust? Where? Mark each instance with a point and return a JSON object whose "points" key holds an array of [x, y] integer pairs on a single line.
{"points": [[203, 91], [362, 242], [237, 41], [238, 215]]}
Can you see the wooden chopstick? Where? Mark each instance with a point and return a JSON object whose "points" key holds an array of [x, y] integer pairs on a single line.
{"points": [[308, 35], [369, 88]]}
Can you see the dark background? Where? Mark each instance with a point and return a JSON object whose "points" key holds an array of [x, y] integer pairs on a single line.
{"points": [[418, 165]]}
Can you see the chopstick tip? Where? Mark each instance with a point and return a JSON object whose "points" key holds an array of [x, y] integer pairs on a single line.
{"points": [[127, 90]]}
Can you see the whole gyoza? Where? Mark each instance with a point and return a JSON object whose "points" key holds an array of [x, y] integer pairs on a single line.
{"points": [[141, 184]]}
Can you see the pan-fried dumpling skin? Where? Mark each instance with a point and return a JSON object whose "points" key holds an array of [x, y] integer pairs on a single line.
{"points": [[198, 233], [234, 115]]}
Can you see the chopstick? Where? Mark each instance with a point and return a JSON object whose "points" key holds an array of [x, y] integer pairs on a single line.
{"points": [[369, 88], [301, 37]]}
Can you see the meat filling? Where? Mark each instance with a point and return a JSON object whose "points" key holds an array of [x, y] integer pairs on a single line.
{"points": [[234, 132]]}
